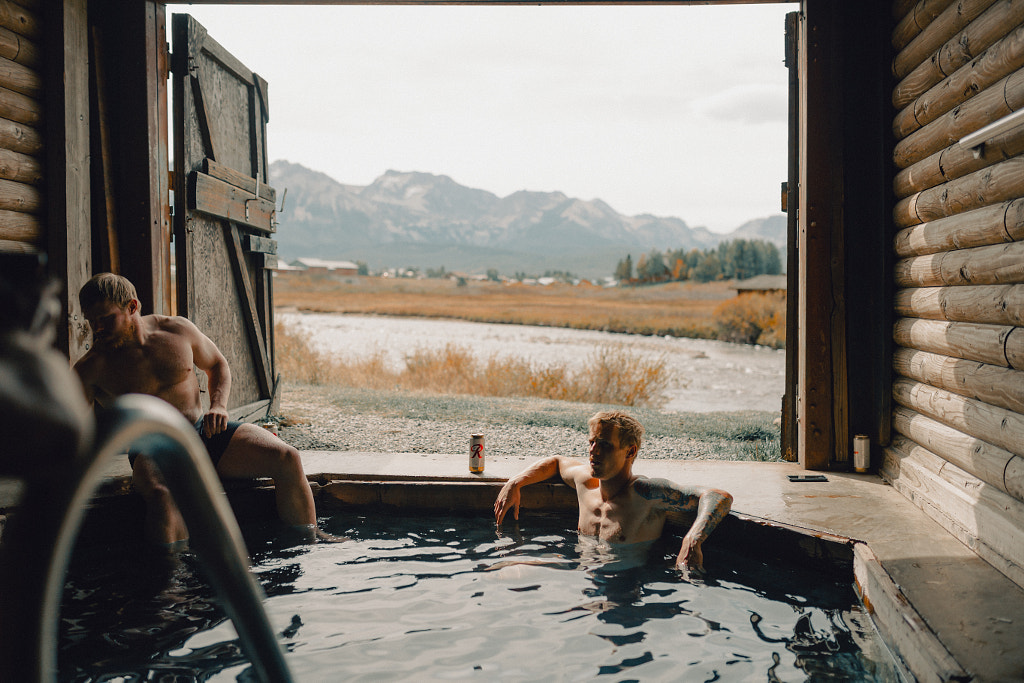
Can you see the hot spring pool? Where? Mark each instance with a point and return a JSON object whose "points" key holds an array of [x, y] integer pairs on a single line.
{"points": [[432, 597]]}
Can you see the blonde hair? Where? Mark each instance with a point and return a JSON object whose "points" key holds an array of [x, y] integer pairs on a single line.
{"points": [[107, 287], [629, 429]]}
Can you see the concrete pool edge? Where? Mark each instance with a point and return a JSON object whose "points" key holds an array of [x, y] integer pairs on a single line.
{"points": [[944, 611]]}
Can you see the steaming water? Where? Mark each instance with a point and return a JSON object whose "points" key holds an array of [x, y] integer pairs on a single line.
{"points": [[710, 375]]}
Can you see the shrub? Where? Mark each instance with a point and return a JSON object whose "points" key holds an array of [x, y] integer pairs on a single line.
{"points": [[611, 375], [753, 319]]}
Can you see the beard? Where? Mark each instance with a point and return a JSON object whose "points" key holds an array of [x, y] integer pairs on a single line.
{"points": [[116, 341]]}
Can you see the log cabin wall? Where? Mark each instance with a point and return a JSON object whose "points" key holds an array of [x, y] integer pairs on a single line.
{"points": [[958, 415], [21, 136]]}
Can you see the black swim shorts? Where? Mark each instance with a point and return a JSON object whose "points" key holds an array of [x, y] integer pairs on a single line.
{"points": [[215, 445]]}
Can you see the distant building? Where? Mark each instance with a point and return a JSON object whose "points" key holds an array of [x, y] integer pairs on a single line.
{"points": [[761, 284], [317, 265]]}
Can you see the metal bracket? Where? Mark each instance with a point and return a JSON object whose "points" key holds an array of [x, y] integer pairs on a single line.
{"points": [[273, 214], [255, 198]]}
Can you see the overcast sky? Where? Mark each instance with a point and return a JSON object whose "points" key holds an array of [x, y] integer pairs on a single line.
{"points": [[676, 111]]}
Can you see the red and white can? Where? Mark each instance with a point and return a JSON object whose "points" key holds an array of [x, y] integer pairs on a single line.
{"points": [[861, 453], [476, 453]]}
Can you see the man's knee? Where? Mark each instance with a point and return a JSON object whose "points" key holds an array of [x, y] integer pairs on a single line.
{"points": [[280, 458], [155, 493], [289, 461]]}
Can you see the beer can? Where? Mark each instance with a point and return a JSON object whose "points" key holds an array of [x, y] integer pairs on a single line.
{"points": [[861, 453], [476, 453]]}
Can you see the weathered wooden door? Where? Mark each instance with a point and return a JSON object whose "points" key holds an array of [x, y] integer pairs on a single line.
{"points": [[224, 211]]}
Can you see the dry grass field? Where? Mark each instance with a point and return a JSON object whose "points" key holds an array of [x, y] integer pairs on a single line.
{"points": [[613, 375], [681, 309]]}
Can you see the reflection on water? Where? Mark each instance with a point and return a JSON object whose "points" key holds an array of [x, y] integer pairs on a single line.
{"points": [[428, 598]]}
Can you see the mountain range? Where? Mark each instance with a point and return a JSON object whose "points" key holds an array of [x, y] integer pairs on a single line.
{"points": [[406, 219]]}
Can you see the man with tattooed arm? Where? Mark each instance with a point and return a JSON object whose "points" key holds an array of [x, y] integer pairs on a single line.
{"points": [[616, 505]]}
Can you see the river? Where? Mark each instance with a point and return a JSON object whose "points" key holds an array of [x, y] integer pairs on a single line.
{"points": [[709, 375]]}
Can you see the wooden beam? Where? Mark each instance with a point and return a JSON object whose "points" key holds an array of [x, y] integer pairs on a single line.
{"points": [[20, 19], [1002, 58], [790, 426], [107, 252], [18, 48], [992, 384], [250, 412], [952, 20], [222, 200], [239, 180], [20, 79], [916, 20], [69, 232], [955, 162], [995, 224], [20, 197], [958, 50], [18, 108], [16, 247], [989, 265], [999, 183], [263, 245], [998, 100], [20, 168], [993, 425], [266, 261], [203, 117], [226, 59], [20, 138], [971, 454], [988, 304], [21, 227], [970, 341], [818, 138], [250, 313]]}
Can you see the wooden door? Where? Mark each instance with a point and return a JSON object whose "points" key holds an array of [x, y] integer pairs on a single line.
{"points": [[224, 211]]}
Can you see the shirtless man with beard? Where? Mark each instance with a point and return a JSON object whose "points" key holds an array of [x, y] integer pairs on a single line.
{"points": [[616, 505], [155, 354]]}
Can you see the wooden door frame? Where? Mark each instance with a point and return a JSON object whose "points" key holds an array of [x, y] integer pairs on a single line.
{"points": [[845, 253], [129, 46]]}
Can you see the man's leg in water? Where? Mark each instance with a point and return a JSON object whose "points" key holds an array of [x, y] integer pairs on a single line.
{"points": [[255, 452], [164, 523]]}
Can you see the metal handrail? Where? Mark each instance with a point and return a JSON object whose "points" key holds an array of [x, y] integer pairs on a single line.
{"points": [[38, 541]]}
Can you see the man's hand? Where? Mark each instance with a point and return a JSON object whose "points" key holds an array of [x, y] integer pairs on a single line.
{"points": [[215, 421], [508, 497], [690, 555]]}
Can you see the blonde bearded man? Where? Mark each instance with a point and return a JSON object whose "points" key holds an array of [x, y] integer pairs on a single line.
{"points": [[154, 354]]}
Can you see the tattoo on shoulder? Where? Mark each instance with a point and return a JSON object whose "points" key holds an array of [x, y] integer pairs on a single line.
{"points": [[667, 492]]}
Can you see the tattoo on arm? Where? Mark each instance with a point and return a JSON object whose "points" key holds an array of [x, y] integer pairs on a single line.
{"points": [[711, 505], [667, 494]]}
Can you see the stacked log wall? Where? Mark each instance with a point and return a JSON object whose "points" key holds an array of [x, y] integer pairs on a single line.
{"points": [[958, 421], [21, 132]]}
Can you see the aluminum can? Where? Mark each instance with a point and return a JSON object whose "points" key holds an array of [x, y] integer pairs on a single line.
{"points": [[861, 453], [476, 453]]}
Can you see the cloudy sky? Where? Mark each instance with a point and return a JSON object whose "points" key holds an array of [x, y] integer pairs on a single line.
{"points": [[676, 111]]}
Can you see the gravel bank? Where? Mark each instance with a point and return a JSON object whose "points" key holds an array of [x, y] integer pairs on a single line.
{"points": [[333, 418]]}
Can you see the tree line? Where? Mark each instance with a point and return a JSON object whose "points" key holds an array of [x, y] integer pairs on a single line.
{"points": [[733, 259]]}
